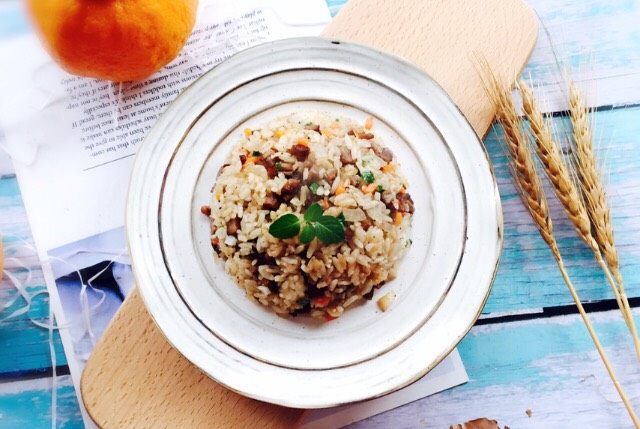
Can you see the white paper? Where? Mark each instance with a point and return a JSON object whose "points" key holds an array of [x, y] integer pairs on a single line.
{"points": [[449, 373], [73, 139]]}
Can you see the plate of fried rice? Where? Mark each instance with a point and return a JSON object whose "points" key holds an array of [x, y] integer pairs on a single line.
{"points": [[313, 223]]}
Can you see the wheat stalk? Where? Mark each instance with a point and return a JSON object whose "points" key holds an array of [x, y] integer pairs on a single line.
{"points": [[528, 183], [596, 199], [566, 191]]}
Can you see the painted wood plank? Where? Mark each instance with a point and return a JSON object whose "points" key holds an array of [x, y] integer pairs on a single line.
{"points": [[28, 404], [547, 365], [24, 347], [528, 278]]}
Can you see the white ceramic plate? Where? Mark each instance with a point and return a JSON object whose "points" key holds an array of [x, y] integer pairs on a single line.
{"points": [[443, 281]]}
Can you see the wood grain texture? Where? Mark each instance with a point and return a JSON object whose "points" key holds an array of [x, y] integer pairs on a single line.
{"points": [[135, 379], [446, 38]]}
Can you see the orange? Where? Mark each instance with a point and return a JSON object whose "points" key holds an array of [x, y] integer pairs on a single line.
{"points": [[116, 40]]}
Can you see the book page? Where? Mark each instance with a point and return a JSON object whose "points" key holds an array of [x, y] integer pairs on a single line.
{"points": [[80, 135]]}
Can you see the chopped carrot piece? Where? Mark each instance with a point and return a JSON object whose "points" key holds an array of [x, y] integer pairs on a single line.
{"points": [[397, 218], [303, 141], [402, 190], [278, 133], [340, 190], [322, 301], [247, 132], [370, 188], [388, 168], [368, 124]]}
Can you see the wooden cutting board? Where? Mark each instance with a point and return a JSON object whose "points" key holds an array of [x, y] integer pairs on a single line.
{"points": [[135, 379]]}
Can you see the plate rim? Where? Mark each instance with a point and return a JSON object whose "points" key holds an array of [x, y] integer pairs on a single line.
{"points": [[131, 212]]}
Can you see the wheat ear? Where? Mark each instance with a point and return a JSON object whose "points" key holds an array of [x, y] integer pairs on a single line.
{"points": [[566, 191], [528, 183], [596, 198]]}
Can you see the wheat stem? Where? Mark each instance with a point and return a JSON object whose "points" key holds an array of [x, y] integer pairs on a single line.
{"points": [[596, 341], [596, 203], [528, 184], [566, 191]]}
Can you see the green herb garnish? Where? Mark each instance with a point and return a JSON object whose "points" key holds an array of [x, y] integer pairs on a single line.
{"points": [[286, 226], [328, 229], [380, 188], [314, 188], [313, 213], [307, 234], [278, 166], [256, 153], [368, 177], [342, 219]]}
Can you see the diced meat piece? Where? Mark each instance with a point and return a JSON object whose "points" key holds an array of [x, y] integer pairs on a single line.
{"points": [[262, 258], [243, 159], [233, 226], [387, 197], [366, 224], [291, 185], [405, 203], [215, 243], [351, 133], [331, 175], [274, 287], [271, 202], [314, 127], [383, 153], [369, 295], [300, 151], [348, 235], [345, 156], [205, 210], [289, 189], [365, 136], [312, 290], [269, 165]]}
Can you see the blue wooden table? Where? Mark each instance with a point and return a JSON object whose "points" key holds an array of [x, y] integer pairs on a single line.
{"points": [[530, 361]]}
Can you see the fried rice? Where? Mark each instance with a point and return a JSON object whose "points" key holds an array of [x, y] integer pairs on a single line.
{"points": [[285, 167]]}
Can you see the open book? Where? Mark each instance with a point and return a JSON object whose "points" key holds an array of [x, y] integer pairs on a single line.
{"points": [[73, 140]]}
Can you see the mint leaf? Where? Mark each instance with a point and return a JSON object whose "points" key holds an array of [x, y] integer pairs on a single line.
{"points": [[368, 176], [313, 213], [286, 226], [329, 230], [314, 188], [342, 219], [308, 233]]}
